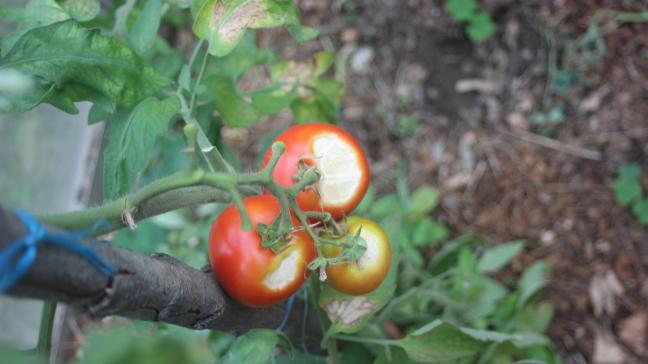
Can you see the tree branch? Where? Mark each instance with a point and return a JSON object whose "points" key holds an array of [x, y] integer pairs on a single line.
{"points": [[152, 288]]}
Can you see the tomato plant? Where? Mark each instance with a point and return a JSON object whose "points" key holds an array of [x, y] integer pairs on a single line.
{"points": [[367, 272], [338, 158], [172, 101], [250, 273]]}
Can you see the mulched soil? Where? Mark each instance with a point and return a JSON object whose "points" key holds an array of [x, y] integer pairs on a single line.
{"points": [[461, 116]]}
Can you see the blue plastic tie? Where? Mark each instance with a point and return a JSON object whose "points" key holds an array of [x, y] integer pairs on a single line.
{"points": [[289, 306], [19, 255]]}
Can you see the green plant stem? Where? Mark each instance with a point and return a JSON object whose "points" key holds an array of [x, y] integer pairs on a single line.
{"points": [[212, 155], [330, 344], [201, 73], [627, 17], [44, 346], [331, 347], [304, 221], [276, 190], [113, 211], [366, 340], [194, 53]]}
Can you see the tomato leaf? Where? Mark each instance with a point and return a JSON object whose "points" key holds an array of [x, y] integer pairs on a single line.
{"points": [[311, 110], [272, 100], [495, 258], [481, 27], [144, 31], [466, 261], [626, 190], [423, 201], [640, 211], [220, 341], [256, 347], [245, 56], [385, 206], [223, 23], [71, 63], [442, 342], [532, 280], [630, 171], [168, 158], [302, 33], [168, 60], [447, 256], [81, 10], [235, 111], [301, 358], [131, 139], [398, 356], [125, 345], [461, 10], [318, 98], [39, 13], [428, 232]]}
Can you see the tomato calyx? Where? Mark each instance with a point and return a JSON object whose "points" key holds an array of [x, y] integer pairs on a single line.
{"points": [[273, 237], [353, 248], [304, 168]]}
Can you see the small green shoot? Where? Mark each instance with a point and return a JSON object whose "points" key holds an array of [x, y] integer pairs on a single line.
{"points": [[628, 192], [480, 26]]}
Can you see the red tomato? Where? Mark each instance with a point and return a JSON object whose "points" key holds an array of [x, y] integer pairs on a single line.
{"points": [[251, 274], [365, 274], [339, 158]]}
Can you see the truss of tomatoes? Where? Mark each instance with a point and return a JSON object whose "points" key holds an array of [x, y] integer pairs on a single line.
{"points": [[256, 276]]}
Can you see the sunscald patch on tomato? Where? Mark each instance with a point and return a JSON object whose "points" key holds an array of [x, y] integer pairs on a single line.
{"points": [[339, 158], [285, 273], [338, 162], [248, 272]]}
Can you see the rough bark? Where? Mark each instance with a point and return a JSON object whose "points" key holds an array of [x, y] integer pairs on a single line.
{"points": [[152, 288]]}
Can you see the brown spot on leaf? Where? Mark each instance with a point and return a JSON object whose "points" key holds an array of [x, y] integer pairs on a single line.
{"points": [[241, 18]]}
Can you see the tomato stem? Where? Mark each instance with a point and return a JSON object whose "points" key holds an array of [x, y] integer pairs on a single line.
{"points": [[44, 346], [366, 340], [191, 133], [201, 73], [212, 155], [310, 177]]}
